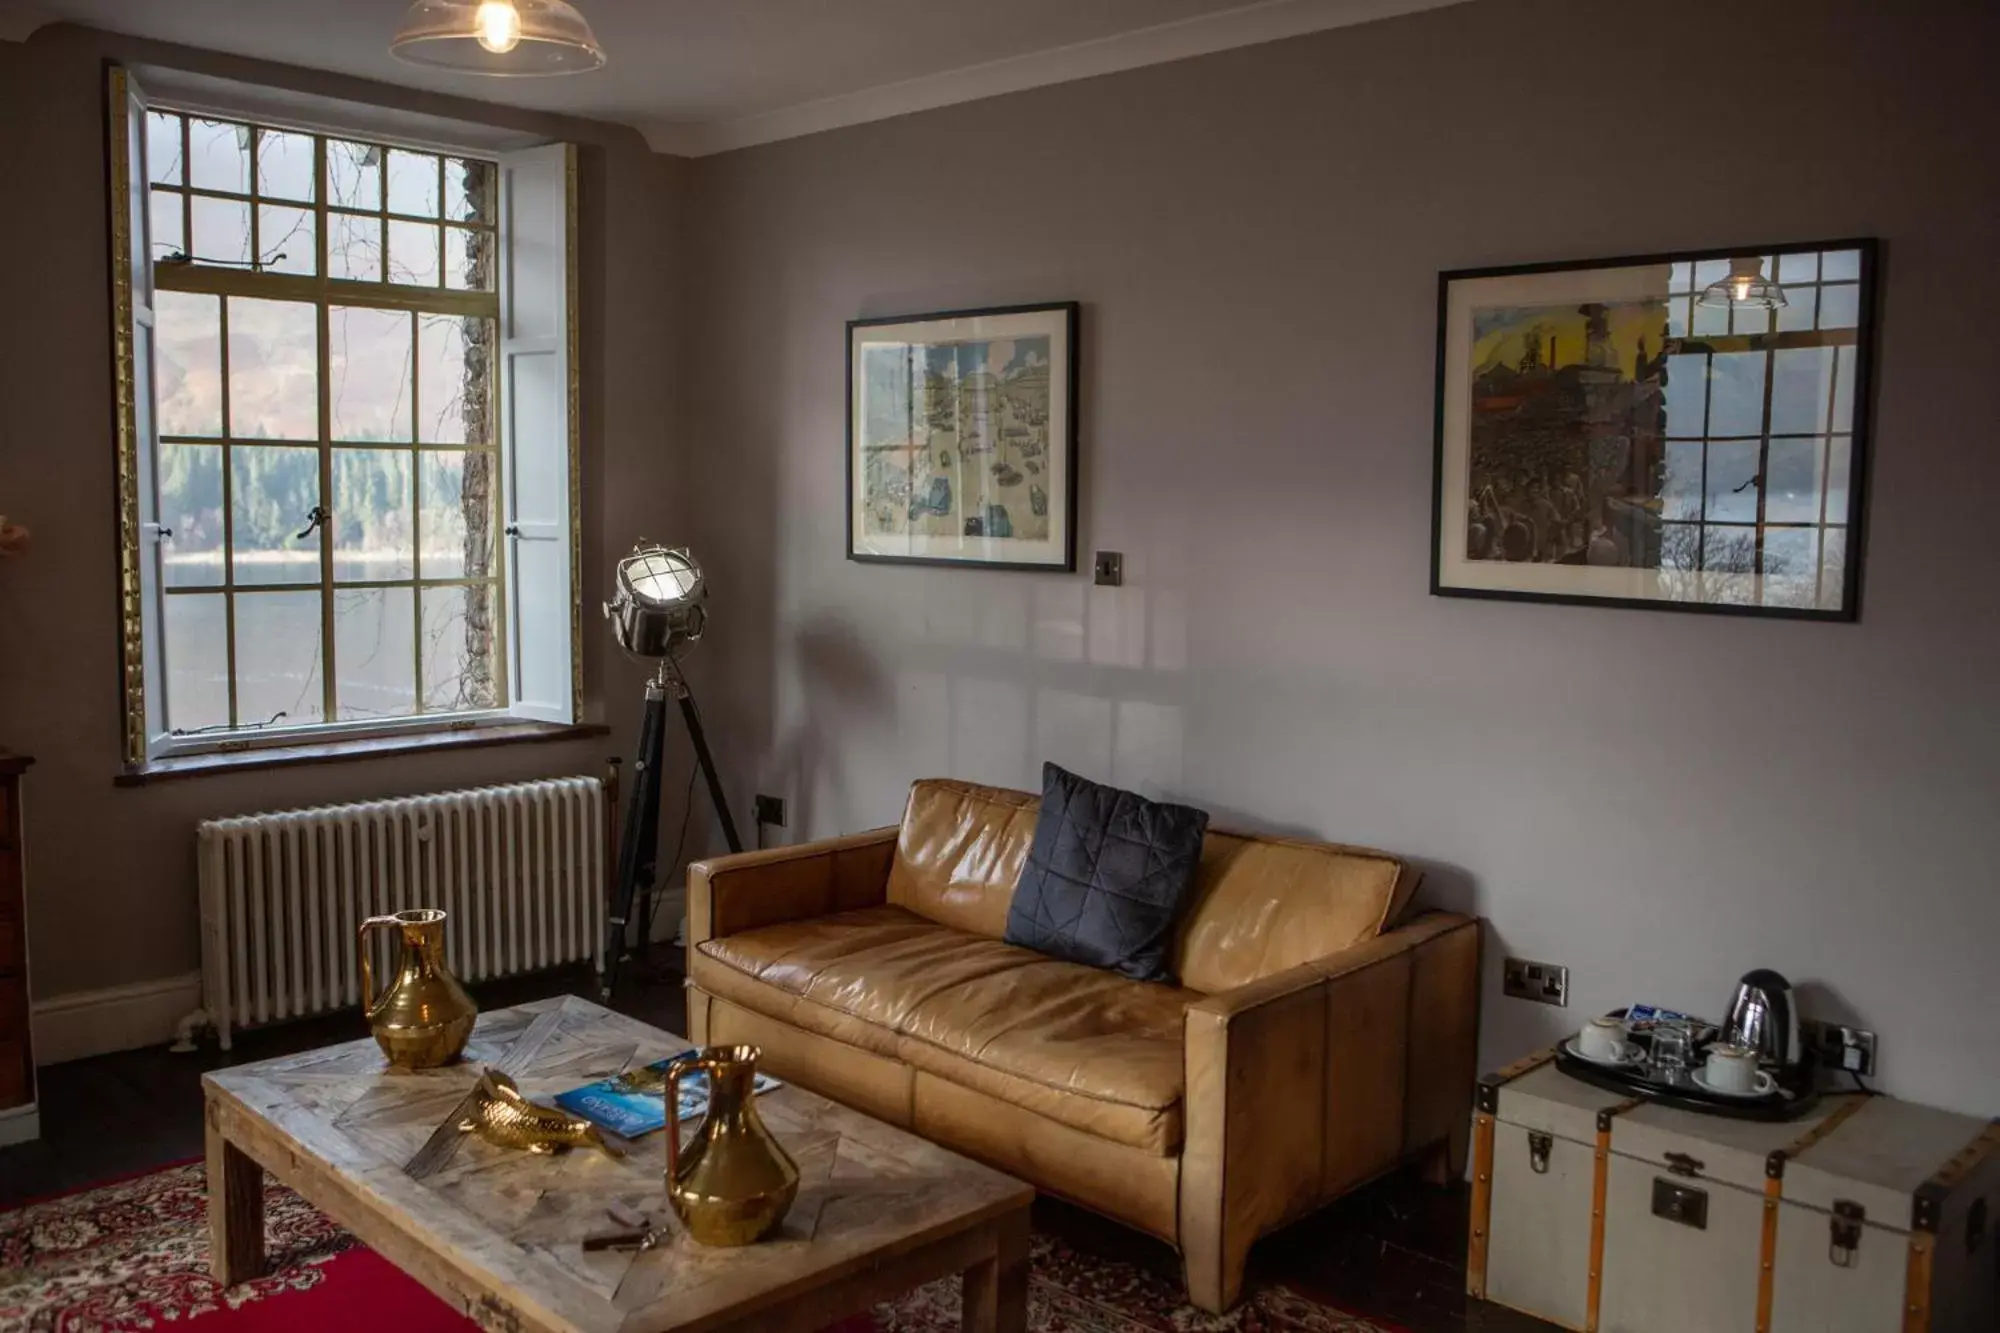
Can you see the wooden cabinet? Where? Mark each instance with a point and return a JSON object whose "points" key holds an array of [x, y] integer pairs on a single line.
{"points": [[17, 1060]]}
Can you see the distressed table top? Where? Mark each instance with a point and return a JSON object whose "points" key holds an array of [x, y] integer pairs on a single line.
{"points": [[497, 1232]]}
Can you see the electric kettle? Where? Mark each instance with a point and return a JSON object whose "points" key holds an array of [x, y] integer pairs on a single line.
{"points": [[1764, 1016]]}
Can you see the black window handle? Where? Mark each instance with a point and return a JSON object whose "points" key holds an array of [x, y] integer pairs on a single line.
{"points": [[315, 517]]}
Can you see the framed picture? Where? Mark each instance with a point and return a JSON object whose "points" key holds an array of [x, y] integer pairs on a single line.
{"points": [[1681, 431], [961, 438]]}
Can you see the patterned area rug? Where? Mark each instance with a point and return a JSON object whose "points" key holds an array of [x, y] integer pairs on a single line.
{"points": [[134, 1256]]}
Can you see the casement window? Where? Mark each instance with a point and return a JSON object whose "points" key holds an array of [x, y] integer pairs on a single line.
{"points": [[347, 430]]}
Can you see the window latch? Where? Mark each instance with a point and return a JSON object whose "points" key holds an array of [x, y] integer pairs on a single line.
{"points": [[160, 531], [513, 529], [315, 517]]}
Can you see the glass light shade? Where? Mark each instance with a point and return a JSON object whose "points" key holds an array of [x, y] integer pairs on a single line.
{"points": [[518, 38], [1745, 287]]}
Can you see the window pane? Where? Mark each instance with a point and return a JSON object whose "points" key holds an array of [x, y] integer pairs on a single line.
{"points": [[1679, 276], [1791, 566], [1832, 567], [1687, 395], [375, 652], [1802, 267], [1840, 266], [455, 524], [413, 254], [218, 155], [1710, 271], [1838, 451], [1677, 316], [1800, 308], [191, 506], [353, 174], [163, 147], [453, 369], [372, 516], [273, 369], [1732, 472], [285, 239], [278, 659], [273, 489], [221, 231], [187, 363], [413, 183], [1749, 319], [458, 648], [368, 356], [354, 247], [1801, 388], [197, 656], [1729, 550], [470, 191], [285, 165], [1792, 482], [1839, 307], [1680, 489], [1710, 320], [468, 260], [1843, 390], [165, 223], [1736, 394]]}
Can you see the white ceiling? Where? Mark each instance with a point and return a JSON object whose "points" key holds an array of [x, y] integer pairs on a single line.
{"points": [[701, 76]]}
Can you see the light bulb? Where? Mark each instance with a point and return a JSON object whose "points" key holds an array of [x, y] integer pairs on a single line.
{"points": [[499, 25], [1740, 288]]}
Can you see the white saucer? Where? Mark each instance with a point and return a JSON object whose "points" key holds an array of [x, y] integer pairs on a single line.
{"points": [[1631, 1057], [1700, 1077]]}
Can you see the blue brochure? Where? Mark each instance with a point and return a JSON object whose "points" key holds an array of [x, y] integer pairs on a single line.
{"points": [[633, 1103]]}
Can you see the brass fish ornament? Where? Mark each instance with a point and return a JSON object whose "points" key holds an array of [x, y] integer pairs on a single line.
{"points": [[503, 1117]]}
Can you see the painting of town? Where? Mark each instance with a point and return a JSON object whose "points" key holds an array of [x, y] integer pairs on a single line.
{"points": [[1636, 434], [959, 446]]}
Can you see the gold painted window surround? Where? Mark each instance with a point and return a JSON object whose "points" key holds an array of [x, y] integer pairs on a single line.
{"points": [[149, 730]]}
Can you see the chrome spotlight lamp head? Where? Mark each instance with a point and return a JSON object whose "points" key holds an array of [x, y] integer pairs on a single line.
{"points": [[658, 609]]}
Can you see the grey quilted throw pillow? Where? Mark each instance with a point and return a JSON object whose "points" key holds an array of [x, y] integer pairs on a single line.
{"points": [[1106, 877]]}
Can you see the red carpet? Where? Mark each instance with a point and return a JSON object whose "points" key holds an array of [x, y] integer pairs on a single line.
{"points": [[132, 1256]]}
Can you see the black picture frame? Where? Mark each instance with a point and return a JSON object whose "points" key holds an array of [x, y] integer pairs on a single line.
{"points": [[1068, 315], [1444, 464]]}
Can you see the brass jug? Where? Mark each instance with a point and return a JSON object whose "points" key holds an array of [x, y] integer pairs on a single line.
{"points": [[422, 1019], [733, 1183]]}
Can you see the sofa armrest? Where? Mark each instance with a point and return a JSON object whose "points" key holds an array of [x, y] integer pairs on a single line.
{"points": [[1303, 1084], [728, 894]]}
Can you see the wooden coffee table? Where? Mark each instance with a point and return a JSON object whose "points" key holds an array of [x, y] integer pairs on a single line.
{"points": [[496, 1233]]}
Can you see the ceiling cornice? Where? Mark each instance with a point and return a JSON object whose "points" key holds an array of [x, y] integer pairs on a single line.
{"points": [[1268, 21]]}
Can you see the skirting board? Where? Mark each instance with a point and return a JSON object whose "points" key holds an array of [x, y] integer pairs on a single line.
{"points": [[20, 1124], [117, 1018]]}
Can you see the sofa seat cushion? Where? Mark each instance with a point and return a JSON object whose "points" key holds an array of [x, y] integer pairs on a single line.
{"points": [[1086, 1048]]}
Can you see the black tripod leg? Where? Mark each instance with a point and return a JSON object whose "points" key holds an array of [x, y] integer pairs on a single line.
{"points": [[702, 757], [639, 846]]}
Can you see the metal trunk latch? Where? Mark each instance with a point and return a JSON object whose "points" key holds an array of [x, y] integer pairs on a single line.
{"points": [[1844, 1228], [1539, 1145]]}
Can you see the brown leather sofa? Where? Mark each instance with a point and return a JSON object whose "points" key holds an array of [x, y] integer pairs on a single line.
{"points": [[1312, 1043]]}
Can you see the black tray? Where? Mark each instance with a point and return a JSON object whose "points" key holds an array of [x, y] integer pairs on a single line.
{"points": [[1798, 1087]]}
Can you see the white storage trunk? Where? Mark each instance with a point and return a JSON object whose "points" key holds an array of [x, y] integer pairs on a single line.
{"points": [[1608, 1214]]}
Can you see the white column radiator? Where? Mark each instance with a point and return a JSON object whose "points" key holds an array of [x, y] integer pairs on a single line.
{"points": [[519, 869]]}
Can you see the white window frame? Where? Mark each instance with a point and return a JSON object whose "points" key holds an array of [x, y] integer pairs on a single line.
{"points": [[538, 419]]}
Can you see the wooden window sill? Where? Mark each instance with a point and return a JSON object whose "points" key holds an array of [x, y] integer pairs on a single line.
{"points": [[346, 751]]}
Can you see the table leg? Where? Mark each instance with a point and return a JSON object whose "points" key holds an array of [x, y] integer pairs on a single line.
{"points": [[996, 1290], [235, 1211]]}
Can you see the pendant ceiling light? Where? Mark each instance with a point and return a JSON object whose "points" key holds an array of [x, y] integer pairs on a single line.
{"points": [[1746, 287], [506, 37]]}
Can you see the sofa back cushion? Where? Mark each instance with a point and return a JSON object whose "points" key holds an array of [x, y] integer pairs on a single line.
{"points": [[1259, 905], [960, 852], [1262, 905]]}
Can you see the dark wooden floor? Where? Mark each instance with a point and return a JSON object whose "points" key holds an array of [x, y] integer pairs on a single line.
{"points": [[1394, 1250]]}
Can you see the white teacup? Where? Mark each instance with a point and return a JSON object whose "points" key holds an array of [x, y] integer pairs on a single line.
{"points": [[1733, 1069], [1603, 1038]]}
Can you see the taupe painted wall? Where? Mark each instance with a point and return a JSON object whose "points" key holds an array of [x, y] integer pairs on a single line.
{"points": [[1661, 801], [111, 871]]}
